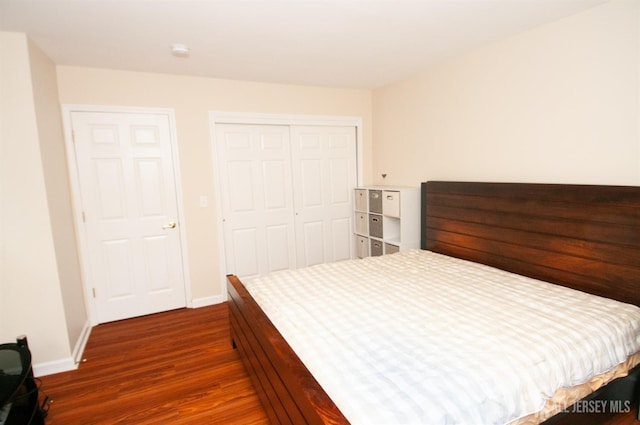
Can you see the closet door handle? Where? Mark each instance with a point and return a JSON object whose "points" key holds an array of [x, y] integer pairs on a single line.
{"points": [[171, 225]]}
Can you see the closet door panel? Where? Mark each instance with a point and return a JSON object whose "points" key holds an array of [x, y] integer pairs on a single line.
{"points": [[257, 201], [241, 198], [324, 175], [278, 244], [313, 235], [310, 180], [341, 238], [242, 253]]}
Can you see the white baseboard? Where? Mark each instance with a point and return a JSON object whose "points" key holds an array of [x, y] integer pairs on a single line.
{"points": [[56, 366], [207, 301], [68, 363], [81, 343]]}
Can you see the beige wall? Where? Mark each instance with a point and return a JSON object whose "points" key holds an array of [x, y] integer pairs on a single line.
{"points": [[192, 98], [30, 289], [56, 176], [559, 103]]}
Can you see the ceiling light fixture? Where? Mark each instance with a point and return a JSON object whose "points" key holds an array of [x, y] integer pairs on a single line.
{"points": [[179, 50]]}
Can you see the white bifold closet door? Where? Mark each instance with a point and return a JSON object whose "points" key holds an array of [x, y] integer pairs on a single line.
{"points": [[286, 195]]}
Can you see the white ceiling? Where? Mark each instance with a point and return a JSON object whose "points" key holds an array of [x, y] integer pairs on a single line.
{"points": [[335, 43]]}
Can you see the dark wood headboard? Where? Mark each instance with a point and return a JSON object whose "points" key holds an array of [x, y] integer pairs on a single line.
{"points": [[586, 237]]}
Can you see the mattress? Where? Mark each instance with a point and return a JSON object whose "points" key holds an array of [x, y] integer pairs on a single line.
{"points": [[421, 338]]}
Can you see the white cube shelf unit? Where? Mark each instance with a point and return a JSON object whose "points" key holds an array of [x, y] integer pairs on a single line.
{"points": [[387, 219]]}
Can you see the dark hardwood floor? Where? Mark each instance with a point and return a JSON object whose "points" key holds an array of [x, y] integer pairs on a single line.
{"points": [[173, 368]]}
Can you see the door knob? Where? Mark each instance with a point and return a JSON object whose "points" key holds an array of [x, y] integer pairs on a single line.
{"points": [[171, 225]]}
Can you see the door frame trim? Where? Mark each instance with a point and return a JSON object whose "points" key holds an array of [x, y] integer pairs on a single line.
{"points": [[76, 199], [226, 117]]}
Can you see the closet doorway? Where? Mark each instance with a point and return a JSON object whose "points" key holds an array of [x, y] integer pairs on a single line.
{"points": [[286, 191]]}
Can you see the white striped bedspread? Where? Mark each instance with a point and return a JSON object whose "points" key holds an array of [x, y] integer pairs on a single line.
{"points": [[421, 338]]}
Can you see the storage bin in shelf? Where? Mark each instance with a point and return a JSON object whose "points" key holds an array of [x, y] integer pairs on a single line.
{"points": [[375, 201], [376, 224], [377, 247], [362, 246], [391, 203], [362, 223], [390, 248], [361, 201]]}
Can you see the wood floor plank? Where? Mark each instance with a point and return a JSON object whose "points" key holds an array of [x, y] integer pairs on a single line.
{"points": [[176, 368]]}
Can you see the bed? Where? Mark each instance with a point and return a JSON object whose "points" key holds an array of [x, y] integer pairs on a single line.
{"points": [[577, 236]]}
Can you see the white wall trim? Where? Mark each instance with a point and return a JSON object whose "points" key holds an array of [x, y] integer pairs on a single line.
{"points": [[56, 366], [81, 343], [209, 301], [224, 117], [81, 236], [175, 154]]}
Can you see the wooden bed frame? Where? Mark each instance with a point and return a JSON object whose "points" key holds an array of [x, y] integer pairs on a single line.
{"points": [[581, 236]]}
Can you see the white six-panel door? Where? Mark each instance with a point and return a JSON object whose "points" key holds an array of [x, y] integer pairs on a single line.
{"points": [[286, 195], [257, 203], [324, 175], [128, 195]]}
